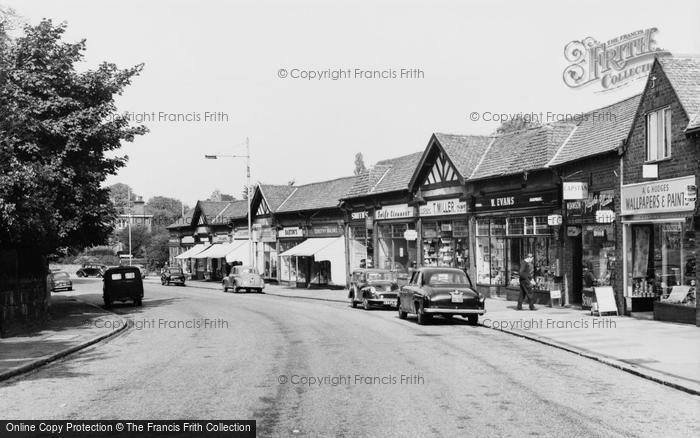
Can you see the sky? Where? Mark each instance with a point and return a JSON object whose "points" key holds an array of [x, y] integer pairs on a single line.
{"points": [[224, 59]]}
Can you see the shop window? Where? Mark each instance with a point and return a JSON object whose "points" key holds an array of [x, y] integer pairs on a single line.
{"points": [[661, 262], [516, 226], [598, 255], [445, 244], [361, 249], [659, 134], [394, 252], [482, 227]]}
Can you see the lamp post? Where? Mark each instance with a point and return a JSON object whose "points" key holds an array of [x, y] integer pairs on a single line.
{"points": [[250, 225]]}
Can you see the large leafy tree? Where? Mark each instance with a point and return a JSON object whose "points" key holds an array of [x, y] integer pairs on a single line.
{"points": [[165, 210], [58, 130], [122, 197]]}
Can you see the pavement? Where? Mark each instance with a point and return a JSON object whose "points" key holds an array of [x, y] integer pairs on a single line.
{"points": [[73, 325], [667, 353]]}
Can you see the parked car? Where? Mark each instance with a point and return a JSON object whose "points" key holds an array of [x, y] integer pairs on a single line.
{"points": [[243, 277], [440, 291], [91, 271], [122, 283], [373, 287], [60, 280], [172, 275]]}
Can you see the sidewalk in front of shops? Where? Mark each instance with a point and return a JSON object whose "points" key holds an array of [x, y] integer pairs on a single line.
{"points": [[668, 353]]}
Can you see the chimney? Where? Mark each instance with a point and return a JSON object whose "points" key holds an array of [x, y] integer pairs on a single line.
{"points": [[139, 206]]}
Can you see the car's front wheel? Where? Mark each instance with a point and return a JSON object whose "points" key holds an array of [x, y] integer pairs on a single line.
{"points": [[423, 318], [365, 304], [402, 314], [108, 302], [472, 319]]}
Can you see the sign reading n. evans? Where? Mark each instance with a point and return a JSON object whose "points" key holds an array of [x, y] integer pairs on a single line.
{"points": [[443, 207], [664, 196], [398, 211]]}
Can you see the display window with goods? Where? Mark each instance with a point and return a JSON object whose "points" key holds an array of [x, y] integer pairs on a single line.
{"points": [[394, 252], [445, 244], [360, 247], [502, 244]]}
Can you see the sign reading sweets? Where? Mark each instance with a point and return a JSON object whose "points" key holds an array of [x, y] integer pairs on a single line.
{"points": [[398, 211], [664, 196], [443, 207]]}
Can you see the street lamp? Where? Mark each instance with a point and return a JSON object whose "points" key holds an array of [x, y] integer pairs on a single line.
{"points": [[247, 157]]}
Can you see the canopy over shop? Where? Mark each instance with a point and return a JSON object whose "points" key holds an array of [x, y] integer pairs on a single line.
{"points": [[318, 261]]}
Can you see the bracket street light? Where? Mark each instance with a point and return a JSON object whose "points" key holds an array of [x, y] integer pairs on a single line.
{"points": [[247, 157]]}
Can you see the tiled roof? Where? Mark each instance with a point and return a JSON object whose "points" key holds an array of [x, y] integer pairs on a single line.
{"points": [[236, 210], [324, 194], [275, 194], [527, 149], [182, 221], [464, 151], [389, 175], [599, 131], [684, 74], [213, 211]]}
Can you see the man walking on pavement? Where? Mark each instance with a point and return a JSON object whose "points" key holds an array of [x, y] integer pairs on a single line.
{"points": [[527, 271]]}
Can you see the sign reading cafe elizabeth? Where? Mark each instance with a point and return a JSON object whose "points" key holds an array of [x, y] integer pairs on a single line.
{"points": [[664, 196]]}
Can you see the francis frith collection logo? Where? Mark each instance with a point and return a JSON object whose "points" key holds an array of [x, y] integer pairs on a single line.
{"points": [[613, 63]]}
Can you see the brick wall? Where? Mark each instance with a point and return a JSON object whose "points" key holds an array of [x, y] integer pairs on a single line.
{"points": [[24, 296]]}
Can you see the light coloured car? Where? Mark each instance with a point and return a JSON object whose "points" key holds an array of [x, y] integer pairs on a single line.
{"points": [[243, 278], [60, 280]]}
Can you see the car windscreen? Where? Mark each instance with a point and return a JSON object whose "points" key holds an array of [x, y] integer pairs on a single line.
{"points": [[446, 278], [175, 271], [60, 275], [378, 276], [247, 271]]}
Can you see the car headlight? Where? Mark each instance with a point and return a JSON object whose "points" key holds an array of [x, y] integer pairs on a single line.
{"points": [[373, 290]]}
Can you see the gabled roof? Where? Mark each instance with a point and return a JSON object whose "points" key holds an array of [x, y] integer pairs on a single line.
{"points": [[235, 210], [465, 151], [524, 150], [684, 75], [183, 221], [324, 194], [599, 131], [389, 175], [275, 195]]}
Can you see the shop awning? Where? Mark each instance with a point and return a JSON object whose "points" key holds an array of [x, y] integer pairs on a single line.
{"points": [[216, 251], [311, 247], [239, 253], [193, 251]]}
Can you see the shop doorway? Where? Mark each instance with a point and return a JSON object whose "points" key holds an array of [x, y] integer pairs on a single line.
{"points": [[577, 273]]}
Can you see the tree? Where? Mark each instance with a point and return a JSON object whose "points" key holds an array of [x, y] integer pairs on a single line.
{"points": [[157, 249], [140, 240], [122, 197], [217, 196], [165, 210], [58, 132], [515, 124], [359, 164]]}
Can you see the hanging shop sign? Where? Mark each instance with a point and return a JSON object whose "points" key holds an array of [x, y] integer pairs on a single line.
{"points": [[584, 210], [605, 216], [410, 235], [575, 190], [288, 232], [443, 207], [220, 238], [398, 211], [187, 240], [554, 220], [664, 196], [358, 215], [516, 200]]}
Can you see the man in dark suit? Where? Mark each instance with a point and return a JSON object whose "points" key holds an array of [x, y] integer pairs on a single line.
{"points": [[527, 271]]}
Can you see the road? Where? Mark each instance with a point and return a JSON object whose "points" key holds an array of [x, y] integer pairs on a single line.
{"points": [[376, 375]]}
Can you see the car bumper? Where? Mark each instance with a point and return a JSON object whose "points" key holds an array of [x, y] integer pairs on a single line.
{"points": [[393, 302], [455, 311]]}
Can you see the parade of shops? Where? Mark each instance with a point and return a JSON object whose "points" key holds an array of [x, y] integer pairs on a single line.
{"points": [[599, 203]]}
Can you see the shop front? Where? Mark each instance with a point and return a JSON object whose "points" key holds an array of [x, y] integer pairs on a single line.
{"points": [[660, 248], [360, 238], [318, 260], [444, 233], [288, 238], [396, 247], [590, 230], [265, 237], [507, 227]]}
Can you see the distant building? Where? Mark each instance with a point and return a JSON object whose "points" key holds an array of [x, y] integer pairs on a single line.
{"points": [[137, 216]]}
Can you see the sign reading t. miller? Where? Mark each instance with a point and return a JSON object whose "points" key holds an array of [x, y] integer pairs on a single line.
{"points": [[443, 207], [664, 196]]}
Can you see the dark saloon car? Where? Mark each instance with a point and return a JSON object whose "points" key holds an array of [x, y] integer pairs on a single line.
{"points": [[440, 291], [91, 271], [60, 280], [373, 287], [243, 277], [172, 275], [122, 283]]}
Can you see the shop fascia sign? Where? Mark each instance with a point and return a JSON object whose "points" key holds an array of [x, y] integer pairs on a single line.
{"points": [[358, 215], [443, 207], [325, 230], [398, 211], [575, 190], [220, 238], [504, 202], [664, 196], [291, 232], [241, 233]]}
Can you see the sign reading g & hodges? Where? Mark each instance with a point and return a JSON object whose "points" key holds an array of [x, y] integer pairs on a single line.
{"points": [[664, 196]]}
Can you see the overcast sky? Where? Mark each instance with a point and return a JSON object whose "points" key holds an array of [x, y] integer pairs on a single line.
{"points": [[216, 56]]}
